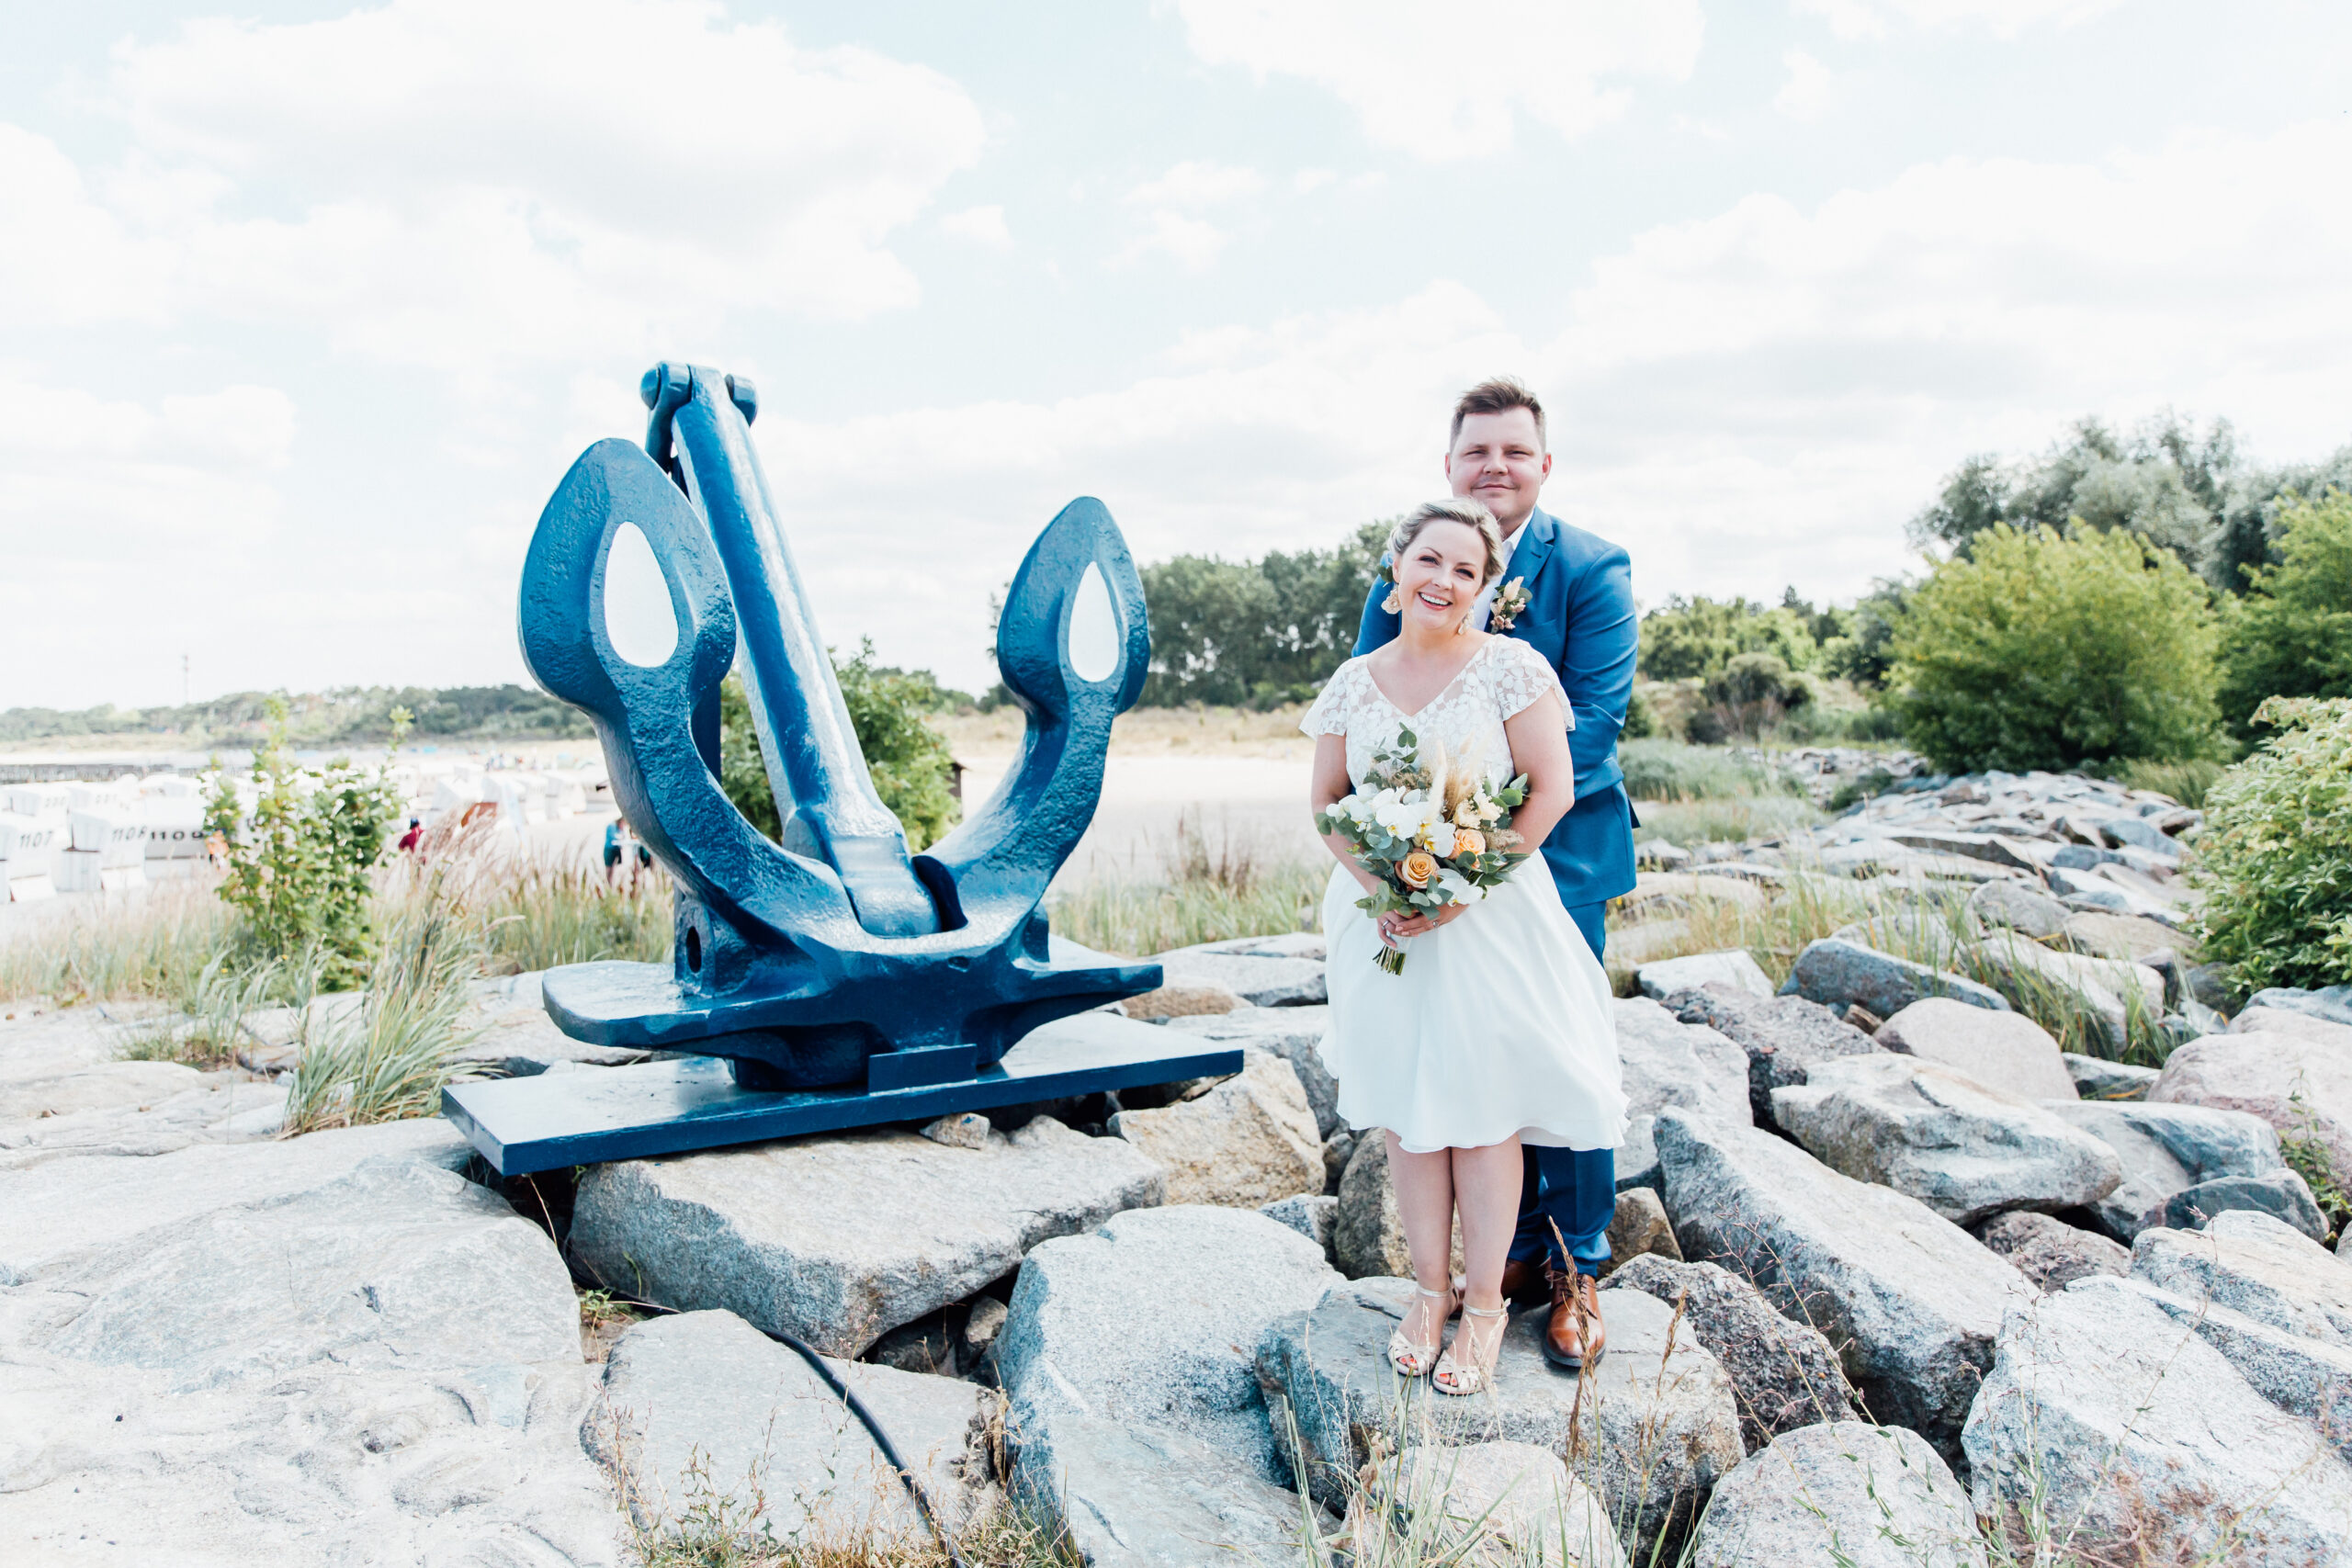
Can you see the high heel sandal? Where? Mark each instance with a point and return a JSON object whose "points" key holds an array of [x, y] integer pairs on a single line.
{"points": [[1471, 1376], [1411, 1358]]}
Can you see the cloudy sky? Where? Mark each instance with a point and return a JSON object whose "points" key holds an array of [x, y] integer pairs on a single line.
{"points": [[305, 309]]}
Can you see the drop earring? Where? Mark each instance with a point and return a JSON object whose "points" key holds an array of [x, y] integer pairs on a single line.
{"points": [[1462, 627], [1392, 605]]}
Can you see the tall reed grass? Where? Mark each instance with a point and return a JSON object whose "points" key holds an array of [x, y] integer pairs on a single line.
{"points": [[387, 1056], [1211, 884]]}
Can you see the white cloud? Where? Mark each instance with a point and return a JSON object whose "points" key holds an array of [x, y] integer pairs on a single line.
{"points": [[1806, 95], [1759, 397], [2002, 19], [457, 186], [1443, 82], [1171, 206], [1196, 185], [981, 225], [1309, 180]]}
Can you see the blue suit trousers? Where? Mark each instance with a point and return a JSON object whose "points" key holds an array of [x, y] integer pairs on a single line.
{"points": [[1574, 1190]]}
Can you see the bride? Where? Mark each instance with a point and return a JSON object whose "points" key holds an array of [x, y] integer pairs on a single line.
{"points": [[1498, 1031]]}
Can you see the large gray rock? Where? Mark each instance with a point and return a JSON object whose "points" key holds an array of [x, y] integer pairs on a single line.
{"points": [[2260, 1018], [1500, 1502], [2108, 991], [1639, 1228], [2006, 1051], [2330, 1004], [515, 1038], [2049, 1252], [1155, 1319], [2308, 1379], [2095, 1077], [385, 1266], [2253, 1264], [2302, 1087], [1248, 1141], [2132, 937], [2283, 1194], [1293, 1033], [1260, 973], [1651, 1428], [2104, 1414], [1966, 1150], [328, 1349], [2167, 1149], [1668, 1062], [706, 1391], [1311, 1214], [1663, 1061], [1845, 1493], [841, 1239], [1368, 1232], [2018, 907], [1911, 1302], [1781, 1037], [1783, 1372], [83, 1206], [1130, 1361], [1131, 1497], [1838, 974], [1735, 968]]}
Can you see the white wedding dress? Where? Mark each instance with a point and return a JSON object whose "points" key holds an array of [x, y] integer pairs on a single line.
{"points": [[1500, 1022]]}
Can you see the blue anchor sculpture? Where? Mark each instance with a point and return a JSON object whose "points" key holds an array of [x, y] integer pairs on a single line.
{"points": [[842, 980]]}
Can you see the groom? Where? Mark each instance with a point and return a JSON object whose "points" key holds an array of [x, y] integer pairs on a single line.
{"points": [[1580, 616]]}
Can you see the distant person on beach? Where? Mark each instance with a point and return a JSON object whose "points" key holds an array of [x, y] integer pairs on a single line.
{"points": [[622, 844], [413, 841]]}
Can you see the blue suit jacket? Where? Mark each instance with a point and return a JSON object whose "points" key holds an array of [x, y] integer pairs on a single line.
{"points": [[1580, 616]]}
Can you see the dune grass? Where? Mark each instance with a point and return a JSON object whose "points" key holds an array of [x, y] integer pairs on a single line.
{"points": [[1212, 886]]}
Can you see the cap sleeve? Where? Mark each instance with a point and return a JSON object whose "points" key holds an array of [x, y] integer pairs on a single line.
{"points": [[1327, 713], [1522, 676]]}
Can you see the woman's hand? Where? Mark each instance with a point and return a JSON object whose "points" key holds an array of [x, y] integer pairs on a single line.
{"points": [[1394, 927]]}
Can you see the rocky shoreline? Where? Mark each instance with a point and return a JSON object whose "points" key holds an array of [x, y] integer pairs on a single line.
{"points": [[1891, 1267]]}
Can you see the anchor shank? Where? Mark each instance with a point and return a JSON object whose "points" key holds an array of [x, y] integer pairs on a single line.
{"points": [[815, 765]]}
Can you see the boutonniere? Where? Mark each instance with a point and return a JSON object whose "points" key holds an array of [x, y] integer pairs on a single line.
{"points": [[1509, 600]]}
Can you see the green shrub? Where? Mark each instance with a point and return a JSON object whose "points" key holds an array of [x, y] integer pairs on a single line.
{"points": [[1686, 638], [2041, 651], [2275, 860], [2293, 634], [1752, 691], [912, 768], [299, 872]]}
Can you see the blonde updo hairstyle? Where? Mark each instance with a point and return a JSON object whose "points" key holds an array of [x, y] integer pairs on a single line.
{"points": [[1454, 508]]}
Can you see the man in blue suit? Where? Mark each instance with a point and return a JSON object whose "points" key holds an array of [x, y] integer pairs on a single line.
{"points": [[1580, 615]]}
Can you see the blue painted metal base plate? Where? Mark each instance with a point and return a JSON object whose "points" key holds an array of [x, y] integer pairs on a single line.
{"points": [[521, 1125]]}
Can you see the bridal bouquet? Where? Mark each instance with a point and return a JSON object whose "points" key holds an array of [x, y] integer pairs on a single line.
{"points": [[1428, 828]]}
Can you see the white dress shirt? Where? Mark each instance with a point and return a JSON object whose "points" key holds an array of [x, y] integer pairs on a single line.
{"points": [[1483, 609]]}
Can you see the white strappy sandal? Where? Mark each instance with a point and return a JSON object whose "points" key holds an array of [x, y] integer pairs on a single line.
{"points": [[1459, 1374], [1411, 1358]]}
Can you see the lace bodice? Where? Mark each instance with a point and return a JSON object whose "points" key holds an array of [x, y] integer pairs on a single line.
{"points": [[1502, 678]]}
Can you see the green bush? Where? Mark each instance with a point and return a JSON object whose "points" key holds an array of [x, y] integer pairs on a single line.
{"points": [[2184, 782], [908, 761], [2275, 860], [299, 872], [1688, 637], [2042, 651], [2293, 634], [1752, 691]]}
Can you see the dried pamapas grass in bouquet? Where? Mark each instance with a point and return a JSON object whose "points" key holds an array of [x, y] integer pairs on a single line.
{"points": [[1430, 828]]}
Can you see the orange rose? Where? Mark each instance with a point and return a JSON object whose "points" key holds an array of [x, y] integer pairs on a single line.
{"points": [[1416, 869], [1469, 841]]}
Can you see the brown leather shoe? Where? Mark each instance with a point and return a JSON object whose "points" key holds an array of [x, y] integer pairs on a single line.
{"points": [[1526, 1280], [1575, 1334]]}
